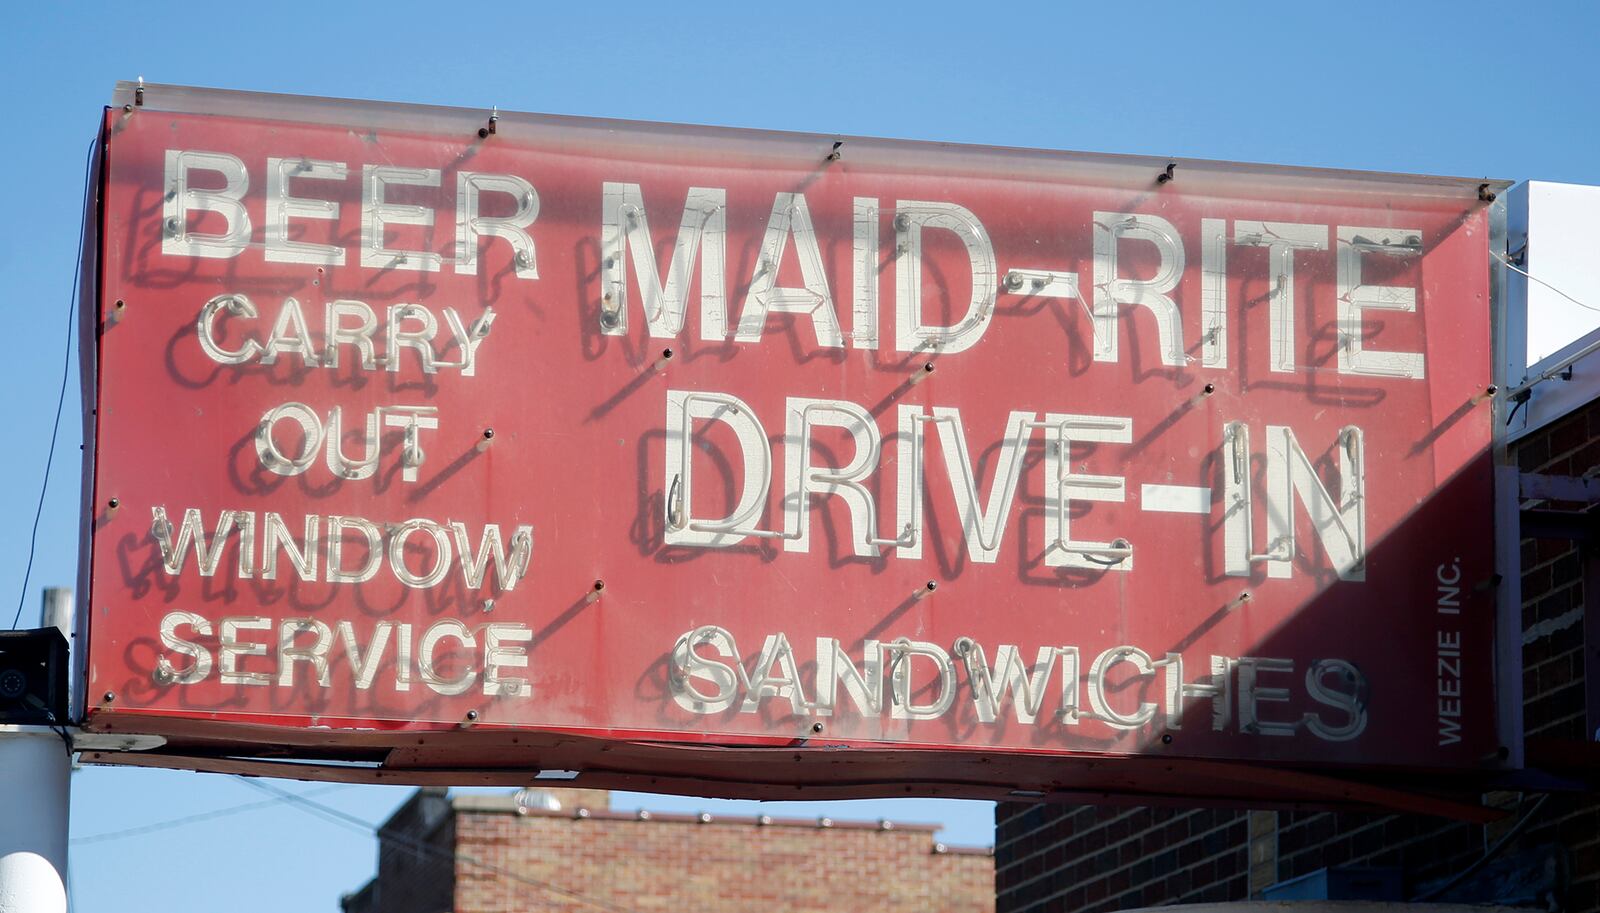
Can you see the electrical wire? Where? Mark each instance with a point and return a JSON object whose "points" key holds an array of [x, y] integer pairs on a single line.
{"points": [[61, 398], [1489, 854], [155, 826], [1519, 394], [335, 816], [1531, 277]]}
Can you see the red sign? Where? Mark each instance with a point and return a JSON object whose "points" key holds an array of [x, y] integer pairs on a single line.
{"points": [[413, 420]]}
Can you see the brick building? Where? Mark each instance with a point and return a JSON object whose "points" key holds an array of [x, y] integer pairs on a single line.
{"points": [[566, 850], [1069, 859]]}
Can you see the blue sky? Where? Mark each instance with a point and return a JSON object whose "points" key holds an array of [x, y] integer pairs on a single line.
{"points": [[1452, 88]]}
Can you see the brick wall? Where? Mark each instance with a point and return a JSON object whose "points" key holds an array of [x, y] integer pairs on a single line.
{"points": [[1555, 648], [415, 873], [537, 862], [1050, 857], [496, 856], [1553, 589], [1064, 859], [416, 850]]}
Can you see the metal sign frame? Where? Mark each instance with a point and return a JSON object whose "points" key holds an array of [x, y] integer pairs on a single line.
{"points": [[719, 760]]}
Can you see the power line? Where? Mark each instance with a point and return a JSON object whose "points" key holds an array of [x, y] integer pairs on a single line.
{"points": [[334, 815], [61, 398], [1517, 269], [1488, 854], [155, 826]]}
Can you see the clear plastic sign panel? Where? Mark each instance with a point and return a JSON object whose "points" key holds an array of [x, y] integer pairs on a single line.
{"points": [[431, 420]]}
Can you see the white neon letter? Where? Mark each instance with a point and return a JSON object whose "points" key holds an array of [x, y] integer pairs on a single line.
{"points": [[182, 199], [704, 229], [910, 333], [1111, 291]]}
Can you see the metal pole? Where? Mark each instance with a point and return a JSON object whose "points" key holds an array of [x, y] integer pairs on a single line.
{"points": [[57, 612], [35, 796]]}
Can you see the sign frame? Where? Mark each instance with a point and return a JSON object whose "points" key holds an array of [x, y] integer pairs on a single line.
{"points": [[626, 756]]}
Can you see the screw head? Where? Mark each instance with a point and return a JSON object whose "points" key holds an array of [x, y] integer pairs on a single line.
{"points": [[472, 714], [816, 727], [488, 434], [109, 696], [599, 585], [113, 503]]}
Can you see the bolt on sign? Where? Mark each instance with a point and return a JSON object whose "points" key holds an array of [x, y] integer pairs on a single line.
{"points": [[412, 421]]}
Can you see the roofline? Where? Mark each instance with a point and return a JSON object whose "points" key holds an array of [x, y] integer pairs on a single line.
{"points": [[415, 797], [507, 805]]}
